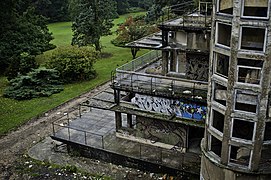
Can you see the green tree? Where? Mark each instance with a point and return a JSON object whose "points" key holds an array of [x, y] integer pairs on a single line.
{"points": [[22, 31], [95, 19], [131, 30], [122, 6], [73, 63], [37, 83]]}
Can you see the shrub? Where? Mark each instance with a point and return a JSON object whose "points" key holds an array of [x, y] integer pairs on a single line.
{"points": [[73, 63], [21, 65], [37, 83]]}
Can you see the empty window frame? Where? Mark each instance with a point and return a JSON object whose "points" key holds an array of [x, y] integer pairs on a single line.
{"points": [[243, 129], [220, 93], [246, 101], [255, 9], [253, 39], [218, 120], [249, 71], [267, 132], [215, 145], [222, 64], [225, 6], [240, 155], [223, 34]]}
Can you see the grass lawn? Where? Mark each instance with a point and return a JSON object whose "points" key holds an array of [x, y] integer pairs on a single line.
{"points": [[13, 113]]}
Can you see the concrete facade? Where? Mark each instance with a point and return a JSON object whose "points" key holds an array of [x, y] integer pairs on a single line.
{"points": [[165, 102], [237, 138]]}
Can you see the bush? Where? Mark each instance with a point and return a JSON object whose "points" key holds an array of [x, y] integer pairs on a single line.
{"points": [[38, 83], [21, 65], [74, 63]]}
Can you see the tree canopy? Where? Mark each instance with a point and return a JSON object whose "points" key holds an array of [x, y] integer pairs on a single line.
{"points": [[22, 31], [94, 19]]}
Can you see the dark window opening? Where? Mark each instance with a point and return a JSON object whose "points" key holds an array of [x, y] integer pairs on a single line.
{"points": [[243, 129], [255, 8], [265, 157], [220, 94], [267, 132], [222, 64], [253, 39], [194, 138], [224, 34], [216, 146], [250, 62], [246, 101], [245, 107], [249, 71], [249, 75], [240, 155], [218, 121], [225, 6]]}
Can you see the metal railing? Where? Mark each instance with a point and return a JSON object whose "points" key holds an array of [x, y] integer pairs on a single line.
{"points": [[64, 130], [141, 61], [168, 157], [149, 83]]}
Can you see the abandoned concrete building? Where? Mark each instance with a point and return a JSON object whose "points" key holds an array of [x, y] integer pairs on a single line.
{"points": [[237, 137], [162, 104]]}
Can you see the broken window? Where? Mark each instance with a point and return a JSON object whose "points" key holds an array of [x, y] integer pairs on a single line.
{"points": [[246, 101], [243, 129], [218, 120], [253, 39], [220, 93], [240, 155], [225, 6], [216, 145], [223, 34], [254, 8], [222, 64]]}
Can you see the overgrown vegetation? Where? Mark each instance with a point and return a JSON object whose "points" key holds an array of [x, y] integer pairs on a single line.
{"points": [[13, 113], [132, 29], [38, 83], [73, 63], [28, 168]]}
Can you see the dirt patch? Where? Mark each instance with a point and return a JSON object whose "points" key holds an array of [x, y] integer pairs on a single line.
{"points": [[105, 55]]}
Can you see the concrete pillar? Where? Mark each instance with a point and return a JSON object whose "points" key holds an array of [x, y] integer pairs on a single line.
{"points": [[129, 120], [118, 120]]}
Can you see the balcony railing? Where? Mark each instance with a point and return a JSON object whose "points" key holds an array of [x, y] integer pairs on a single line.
{"points": [[141, 62]]}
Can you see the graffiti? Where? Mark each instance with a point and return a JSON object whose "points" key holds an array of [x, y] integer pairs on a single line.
{"points": [[165, 132], [180, 108]]}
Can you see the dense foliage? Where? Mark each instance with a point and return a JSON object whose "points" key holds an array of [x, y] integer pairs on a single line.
{"points": [[37, 83], [22, 31], [73, 63], [54, 10], [132, 29], [21, 65], [94, 19]]}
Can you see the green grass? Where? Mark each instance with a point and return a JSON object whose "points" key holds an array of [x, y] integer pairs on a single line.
{"points": [[14, 113]]}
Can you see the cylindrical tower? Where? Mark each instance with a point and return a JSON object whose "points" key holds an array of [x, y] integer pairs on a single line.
{"points": [[237, 142]]}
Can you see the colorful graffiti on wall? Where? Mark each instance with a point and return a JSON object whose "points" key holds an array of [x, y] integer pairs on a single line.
{"points": [[168, 106]]}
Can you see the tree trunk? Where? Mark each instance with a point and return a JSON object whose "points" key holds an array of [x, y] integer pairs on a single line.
{"points": [[134, 52]]}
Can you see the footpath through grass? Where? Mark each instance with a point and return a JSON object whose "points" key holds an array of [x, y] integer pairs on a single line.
{"points": [[14, 113]]}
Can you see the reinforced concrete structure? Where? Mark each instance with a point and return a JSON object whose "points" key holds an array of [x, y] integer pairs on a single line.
{"points": [[165, 91], [237, 136]]}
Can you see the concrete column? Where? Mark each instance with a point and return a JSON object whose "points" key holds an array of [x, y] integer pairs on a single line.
{"points": [[231, 82], [118, 120], [164, 62], [129, 121], [117, 96]]}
